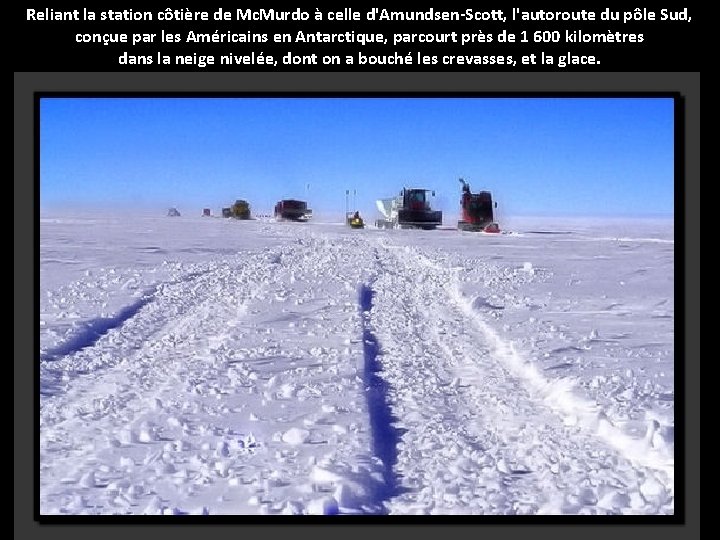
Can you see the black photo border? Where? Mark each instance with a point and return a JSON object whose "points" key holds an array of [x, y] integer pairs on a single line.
{"points": [[682, 197]]}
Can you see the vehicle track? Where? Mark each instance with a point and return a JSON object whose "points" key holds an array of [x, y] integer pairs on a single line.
{"points": [[501, 444], [173, 397], [475, 430]]}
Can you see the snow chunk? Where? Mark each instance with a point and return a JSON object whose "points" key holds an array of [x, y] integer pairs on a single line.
{"points": [[292, 508], [322, 475], [88, 480], [222, 468], [147, 433], [222, 449], [614, 500], [323, 507], [287, 391], [296, 436], [154, 507], [653, 491]]}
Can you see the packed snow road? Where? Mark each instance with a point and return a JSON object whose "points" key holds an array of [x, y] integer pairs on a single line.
{"points": [[215, 367]]}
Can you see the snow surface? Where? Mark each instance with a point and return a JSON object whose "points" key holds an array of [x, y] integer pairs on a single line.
{"points": [[209, 366]]}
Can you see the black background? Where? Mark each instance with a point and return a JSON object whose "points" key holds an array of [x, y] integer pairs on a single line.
{"points": [[46, 60]]}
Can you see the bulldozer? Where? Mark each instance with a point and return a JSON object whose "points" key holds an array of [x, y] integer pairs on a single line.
{"points": [[409, 210], [477, 211]]}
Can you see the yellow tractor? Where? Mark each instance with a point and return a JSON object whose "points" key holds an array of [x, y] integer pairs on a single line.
{"points": [[240, 210], [355, 221]]}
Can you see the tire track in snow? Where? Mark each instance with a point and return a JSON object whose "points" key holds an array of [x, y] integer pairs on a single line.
{"points": [[503, 447], [78, 355], [94, 329], [559, 394], [172, 421], [94, 415], [385, 436]]}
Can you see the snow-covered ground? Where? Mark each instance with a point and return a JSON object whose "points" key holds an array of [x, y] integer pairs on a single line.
{"points": [[201, 365]]}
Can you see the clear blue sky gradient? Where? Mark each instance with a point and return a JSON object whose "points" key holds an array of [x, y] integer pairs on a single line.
{"points": [[544, 156]]}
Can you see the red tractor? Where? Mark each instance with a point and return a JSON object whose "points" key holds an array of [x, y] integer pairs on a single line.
{"points": [[477, 211]]}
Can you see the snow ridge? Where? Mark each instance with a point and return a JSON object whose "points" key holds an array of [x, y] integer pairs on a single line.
{"points": [[561, 397]]}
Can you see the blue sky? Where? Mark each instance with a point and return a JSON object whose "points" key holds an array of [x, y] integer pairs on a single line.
{"points": [[544, 156]]}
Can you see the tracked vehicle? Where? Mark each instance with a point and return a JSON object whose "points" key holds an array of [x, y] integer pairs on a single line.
{"points": [[409, 210]]}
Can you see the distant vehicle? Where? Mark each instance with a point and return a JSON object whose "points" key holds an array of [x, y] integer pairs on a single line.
{"points": [[227, 212], [207, 212], [354, 221], [292, 210], [477, 211], [409, 210], [240, 210], [173, 212]]}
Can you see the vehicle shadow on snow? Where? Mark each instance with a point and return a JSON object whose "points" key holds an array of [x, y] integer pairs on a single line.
{"points": [[385, 436]]}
